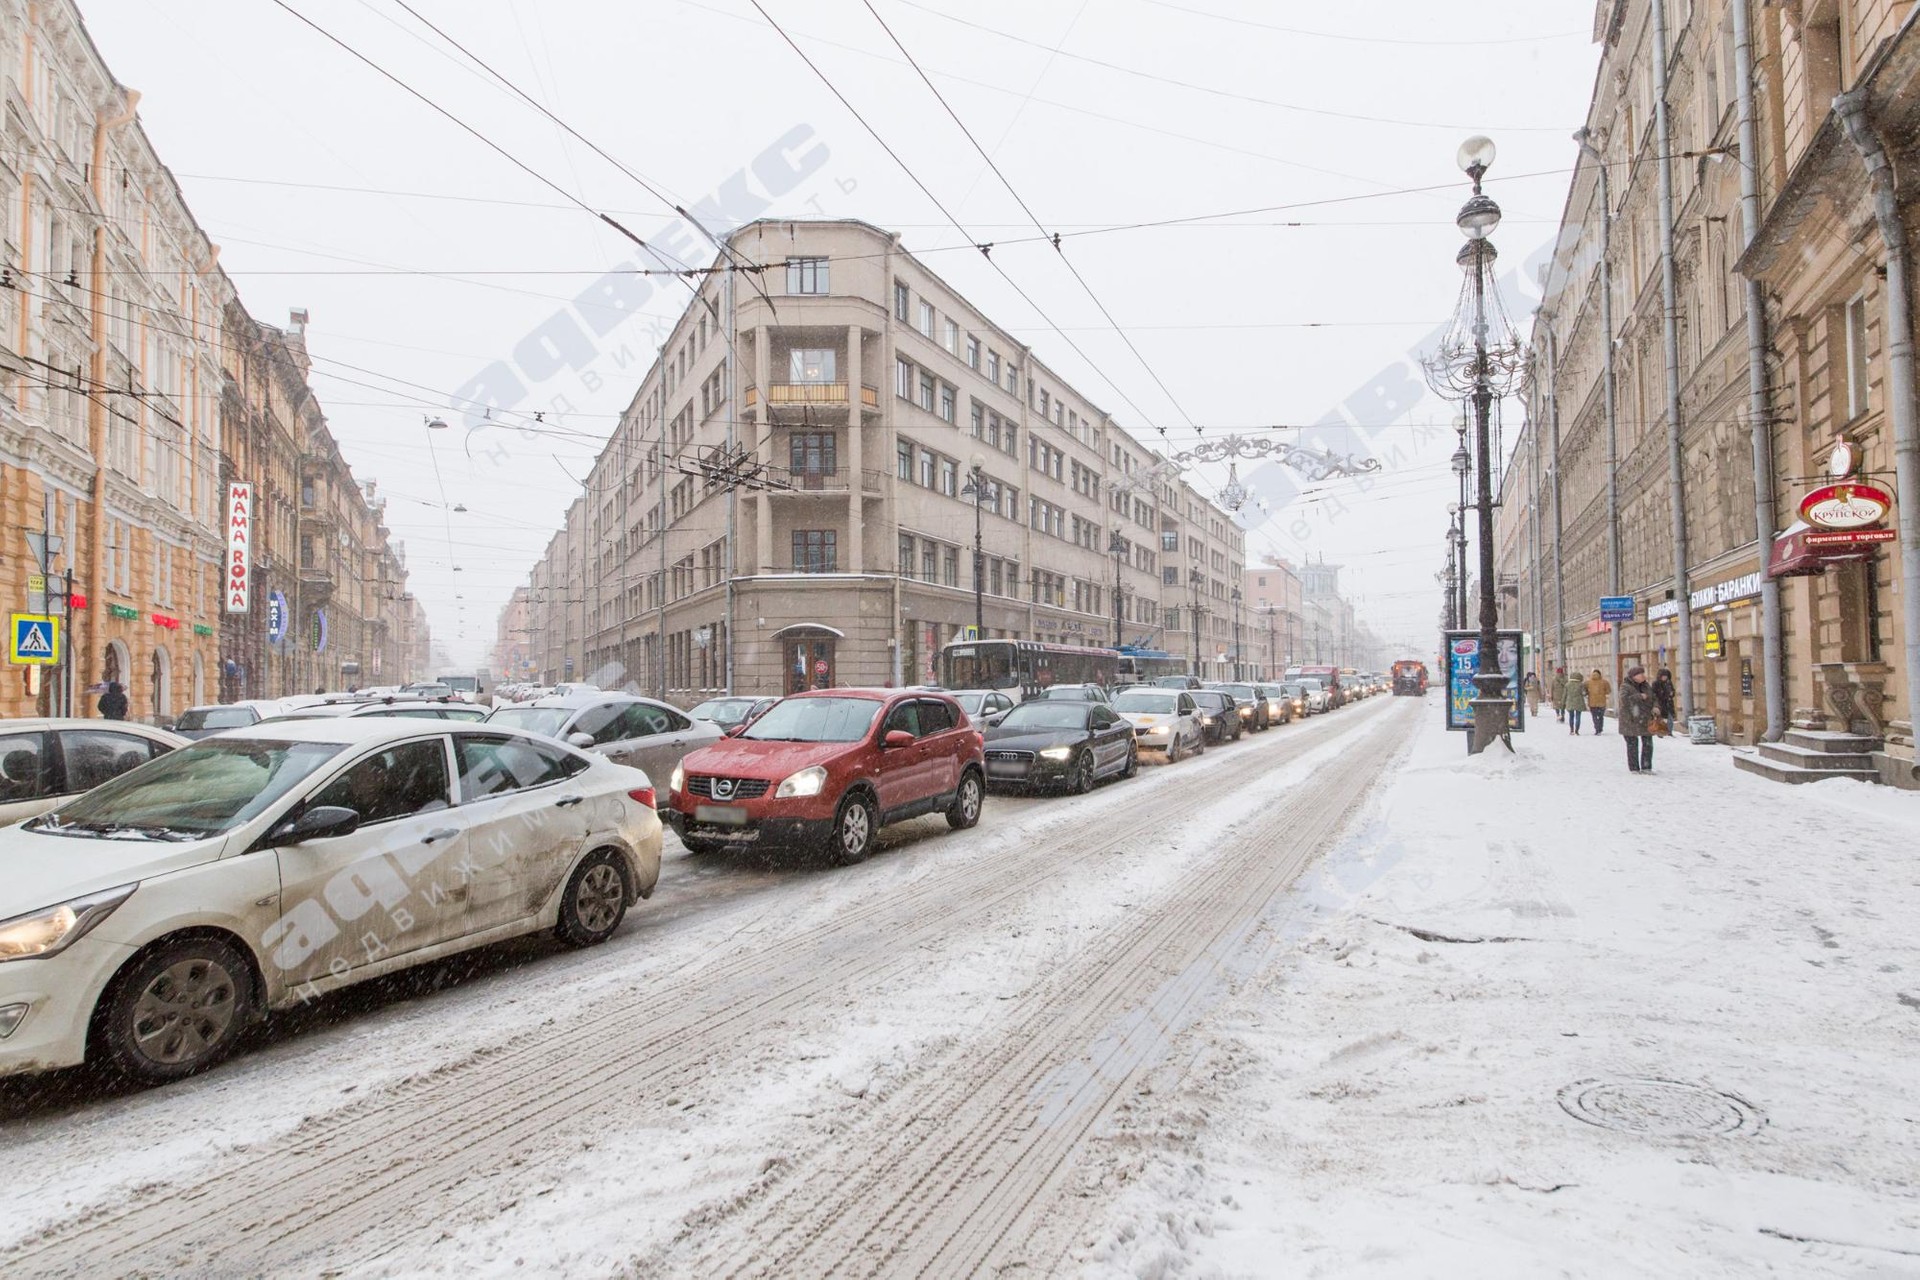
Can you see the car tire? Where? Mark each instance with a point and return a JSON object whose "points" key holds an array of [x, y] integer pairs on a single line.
{"points": [[1174, 753], [1200, 744], [968, 798], [595, 900], [1133, 761], [853, 830], [1082, 779], [175, 1010]]}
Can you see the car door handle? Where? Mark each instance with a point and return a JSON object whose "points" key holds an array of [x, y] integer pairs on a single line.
{"points": [[566, 802], [443, 833]]}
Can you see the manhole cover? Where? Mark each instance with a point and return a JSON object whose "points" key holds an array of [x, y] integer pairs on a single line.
{"points": [[1659, 1108]]}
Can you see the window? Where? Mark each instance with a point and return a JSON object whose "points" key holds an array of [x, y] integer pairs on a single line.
{"points": [[1045, 403], [950, 337], [813, 365], [929, 561], [1013, 378], [815, 551], [903, 460], [926, 391], [993, 366], [926, 318], [926, 470], [978, 420], [806, 275], [1856, 339], [22, 767], [949, 477], [904, 718], [903, 379], [950, 567], [906, 555], [492, 766], [902, 299], [935, 717], [93, 756], [396, 782], [947, 397], [973, 353], [812, 453], [994, 578]]}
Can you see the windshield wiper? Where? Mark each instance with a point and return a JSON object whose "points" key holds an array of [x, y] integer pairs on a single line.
{"points": [[146, 831]]}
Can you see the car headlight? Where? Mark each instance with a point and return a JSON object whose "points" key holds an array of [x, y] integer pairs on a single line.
{"points": [[53, 929], [807, 782], [1246, 711], [1057, 753], [1206, 719], [678, 782]]}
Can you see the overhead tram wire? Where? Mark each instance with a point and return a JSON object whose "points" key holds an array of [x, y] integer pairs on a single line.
{"points": [[1031, 215], [986, 249]]}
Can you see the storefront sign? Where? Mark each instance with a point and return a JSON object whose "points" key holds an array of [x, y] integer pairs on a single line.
{"points": [[276, 616], [1851, 504], [1746, 677], [239, 546], [166, 620], [1711, 642], [1747, 584], [1463, 663], [122, 611], [1595, 627], [317, 634], [1848, 538], [1663, 610], [202, 629]]}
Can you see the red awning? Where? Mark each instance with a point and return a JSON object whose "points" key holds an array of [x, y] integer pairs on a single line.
{"points": [[1803, 550]]}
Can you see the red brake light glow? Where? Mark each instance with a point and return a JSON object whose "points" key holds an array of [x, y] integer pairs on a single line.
{"points": [[643, 795]]}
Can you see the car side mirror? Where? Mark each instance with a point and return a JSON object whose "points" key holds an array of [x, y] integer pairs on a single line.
{"points": [[735, 731], [322, 822], [581, 740], [896, 738]]}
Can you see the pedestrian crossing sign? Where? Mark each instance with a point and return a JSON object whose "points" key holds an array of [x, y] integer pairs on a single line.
{"points": [[34, 640]]}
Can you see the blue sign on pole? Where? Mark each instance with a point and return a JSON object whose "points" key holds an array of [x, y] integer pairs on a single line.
{"points": [[1616, 608], [276, 617]]}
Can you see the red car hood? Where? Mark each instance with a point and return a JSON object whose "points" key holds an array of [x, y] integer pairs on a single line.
{"points": [[750, 758]]}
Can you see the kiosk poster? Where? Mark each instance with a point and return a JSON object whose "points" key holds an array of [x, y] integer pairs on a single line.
{"points": [[1463, 663]]}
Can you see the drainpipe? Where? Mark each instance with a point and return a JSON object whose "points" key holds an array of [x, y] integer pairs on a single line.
{"points": [[96, 398], [1533, 534], [1774, 671], [1670, 341], [1559, 528], [1616, 575], [1852, 109]]}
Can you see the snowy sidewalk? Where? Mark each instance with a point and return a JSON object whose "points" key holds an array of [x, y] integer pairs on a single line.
{"points": [[1541, 1017]]}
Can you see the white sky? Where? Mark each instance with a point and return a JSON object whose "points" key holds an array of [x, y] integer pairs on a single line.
{"points": [[244, 102]]}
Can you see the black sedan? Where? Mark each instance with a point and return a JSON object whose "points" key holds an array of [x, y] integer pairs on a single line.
{"points": [[1060, 744], [1253, 707], [1219, 714]]}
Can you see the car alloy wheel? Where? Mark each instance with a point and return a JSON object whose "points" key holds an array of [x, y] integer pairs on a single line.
{"points": [[1133, 761], [852, 830], [595, 901], [1083, 773], [966, 802]]}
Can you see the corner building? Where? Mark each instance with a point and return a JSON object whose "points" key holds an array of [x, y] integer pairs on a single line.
{"points": [[870, 393]]}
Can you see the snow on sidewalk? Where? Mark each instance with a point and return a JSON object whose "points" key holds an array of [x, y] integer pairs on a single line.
{"points": [[1538, 1016]]}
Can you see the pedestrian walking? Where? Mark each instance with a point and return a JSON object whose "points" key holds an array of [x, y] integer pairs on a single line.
{"points": [[1532, 687], [1576, 697], [1557, 693], [1637, 707], [1599, 689], [1664, 698], [113, 703]]}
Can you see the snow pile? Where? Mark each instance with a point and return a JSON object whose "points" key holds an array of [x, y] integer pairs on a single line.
{"points": [[1540, 1016]]}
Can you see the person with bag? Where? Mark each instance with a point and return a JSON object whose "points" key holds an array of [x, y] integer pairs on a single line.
{"points": [[1532, 687], [1576, 697], [1637, 709], [1599, 689], [1557, 693], [1664, 698]]}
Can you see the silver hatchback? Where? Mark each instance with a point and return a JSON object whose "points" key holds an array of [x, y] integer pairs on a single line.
{"points": [[623, 727]]}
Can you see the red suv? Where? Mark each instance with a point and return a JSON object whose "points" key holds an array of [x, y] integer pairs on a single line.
{"points": [[828, 769]]}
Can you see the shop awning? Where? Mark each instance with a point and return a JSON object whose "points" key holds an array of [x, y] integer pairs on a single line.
{"points": [[1803, 550]]}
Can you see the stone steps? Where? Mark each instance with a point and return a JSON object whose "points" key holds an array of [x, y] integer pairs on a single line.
{"points": [[1794, 763], [1858, 744]]}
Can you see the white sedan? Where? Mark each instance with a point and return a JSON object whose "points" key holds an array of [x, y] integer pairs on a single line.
{"points": [[148, 922], [1163, 720]]}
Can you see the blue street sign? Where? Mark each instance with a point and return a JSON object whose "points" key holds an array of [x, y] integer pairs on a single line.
{"points": [[1616, 608], [34, 640]]}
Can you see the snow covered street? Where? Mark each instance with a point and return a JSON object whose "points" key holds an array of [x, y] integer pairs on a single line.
{"points": [[1536, 1016]]}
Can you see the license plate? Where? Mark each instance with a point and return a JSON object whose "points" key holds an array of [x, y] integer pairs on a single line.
{"points": [[720, 815], [1005, 769]]}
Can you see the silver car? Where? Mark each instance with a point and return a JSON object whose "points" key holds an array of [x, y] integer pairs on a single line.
{"points": [[624, 728], [1163, 720], [43, 762]]}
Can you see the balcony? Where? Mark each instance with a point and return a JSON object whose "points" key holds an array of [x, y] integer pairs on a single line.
{"points": [[811, 394], [831, 481]]}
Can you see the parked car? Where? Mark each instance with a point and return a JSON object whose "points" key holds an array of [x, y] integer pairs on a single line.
{"points": [[731, 710], [1219, 715], [48, 761], [1279, 705], [198, 722], [1163, 720], [1064, 744], [147, 923], [1177, 682], [984, 707], [1071, 693], [828, 768], [1252, 707], [629, 730], [447, 708]]}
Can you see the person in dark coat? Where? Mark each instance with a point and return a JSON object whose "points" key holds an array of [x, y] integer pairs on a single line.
{"points": [[1637, 705], [113, 703], [1664, 697]]}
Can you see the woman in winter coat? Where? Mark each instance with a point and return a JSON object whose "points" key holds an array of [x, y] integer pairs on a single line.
{"points": [[1576, 700], [1531, 685], [1598, 691], [1637, 705], [1664, 697], [1557, 693]]}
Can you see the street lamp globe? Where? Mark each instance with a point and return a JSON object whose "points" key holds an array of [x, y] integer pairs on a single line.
{"points": [[1477, 152], [1478, 217]]}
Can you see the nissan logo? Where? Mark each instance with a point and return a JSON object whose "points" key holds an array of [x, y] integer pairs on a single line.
{"points": [[723, 788]]}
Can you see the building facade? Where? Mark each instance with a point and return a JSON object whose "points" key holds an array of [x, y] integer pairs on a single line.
{"points": [[793, 496], [1586, 488]]}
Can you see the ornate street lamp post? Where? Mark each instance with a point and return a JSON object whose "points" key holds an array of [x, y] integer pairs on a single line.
{"points": [[976, 489], [1239, 665], [1480, 360], [1194, 579]]}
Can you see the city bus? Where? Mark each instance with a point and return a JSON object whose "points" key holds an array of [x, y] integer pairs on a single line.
{"points": [[1020, 667], [1144, 666]]}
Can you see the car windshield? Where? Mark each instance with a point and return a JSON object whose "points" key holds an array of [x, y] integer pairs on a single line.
{"points": [[201, 790], [725, 712], [1171, 682], [1154, 704], [815, 720], [1295, 690], [214, 718], [547, 720], [1243, 691], [1312, 686], [1044, 715], [1070, 693]]}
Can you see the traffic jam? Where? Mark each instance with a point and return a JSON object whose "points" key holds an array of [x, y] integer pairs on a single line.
{"points": [[169, 889]]}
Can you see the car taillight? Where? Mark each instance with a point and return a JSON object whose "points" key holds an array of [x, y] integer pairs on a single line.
{"points": [[643, 795]]}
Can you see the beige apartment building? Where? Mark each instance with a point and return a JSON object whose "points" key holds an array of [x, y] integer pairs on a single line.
{"points": [[1821, 259], [876, 417]]}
